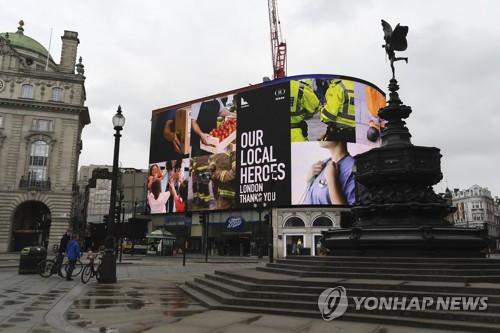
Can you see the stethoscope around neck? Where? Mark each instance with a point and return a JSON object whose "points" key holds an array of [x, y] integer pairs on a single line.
{"points": [[322, 183]]}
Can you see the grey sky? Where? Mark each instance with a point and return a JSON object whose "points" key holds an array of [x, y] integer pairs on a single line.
{"points": [[145, 55]]}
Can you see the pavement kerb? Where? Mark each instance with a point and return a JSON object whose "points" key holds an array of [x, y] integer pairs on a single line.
{"points": [[55, 317]]}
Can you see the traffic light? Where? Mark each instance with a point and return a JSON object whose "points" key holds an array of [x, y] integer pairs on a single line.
{"points": [[266, 218], [118, 214], [203, 218], [105, 219]]}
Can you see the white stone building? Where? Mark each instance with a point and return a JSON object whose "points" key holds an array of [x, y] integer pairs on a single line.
{"points": [[42, 115], [475, 209]]}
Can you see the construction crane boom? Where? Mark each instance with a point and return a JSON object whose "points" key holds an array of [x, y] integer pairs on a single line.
{"points": [[278, 46]]}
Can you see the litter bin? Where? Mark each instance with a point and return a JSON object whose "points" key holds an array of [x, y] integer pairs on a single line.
{"points": [[30, 257]]}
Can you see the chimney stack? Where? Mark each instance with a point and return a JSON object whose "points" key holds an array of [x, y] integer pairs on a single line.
{"points": [[70, 43]]}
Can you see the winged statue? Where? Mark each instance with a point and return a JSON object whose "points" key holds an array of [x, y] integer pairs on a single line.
{"points": [[395, 40]]}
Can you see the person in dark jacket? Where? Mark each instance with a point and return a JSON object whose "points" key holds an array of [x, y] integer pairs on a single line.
{"points": [[60, 252], [73, 253]]}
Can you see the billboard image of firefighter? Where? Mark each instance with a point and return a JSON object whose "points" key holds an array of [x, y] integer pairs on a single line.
{"points": [[285, 142]]}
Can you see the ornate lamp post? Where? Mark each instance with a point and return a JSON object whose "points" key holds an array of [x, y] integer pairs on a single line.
{"points": [[108, 265]]}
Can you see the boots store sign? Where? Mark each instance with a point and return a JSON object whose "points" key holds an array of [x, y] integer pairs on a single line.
{"points": [[280, 143], [235, 223]]}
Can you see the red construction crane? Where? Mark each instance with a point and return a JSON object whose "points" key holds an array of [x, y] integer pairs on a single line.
{"points": [[278, 46]]}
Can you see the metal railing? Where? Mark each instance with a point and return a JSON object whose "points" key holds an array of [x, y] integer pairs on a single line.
{"points": [[25, 184]]}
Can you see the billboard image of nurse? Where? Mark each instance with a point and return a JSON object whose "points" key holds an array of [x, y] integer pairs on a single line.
{"points": [[345, 124]]}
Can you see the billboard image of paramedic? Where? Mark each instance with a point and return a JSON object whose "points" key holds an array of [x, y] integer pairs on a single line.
{"points": [[350, 113], [304, 105], [339, 109]]}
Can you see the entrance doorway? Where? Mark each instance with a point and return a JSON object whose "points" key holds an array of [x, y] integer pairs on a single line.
{"points": [[293, 243], [30, 226], [235, 244]]}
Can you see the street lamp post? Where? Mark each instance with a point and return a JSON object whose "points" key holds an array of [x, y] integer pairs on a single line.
{"points": [[121, 231], [260, 209], [133, 234], [270, 235], [108, 264], [270, 221]]}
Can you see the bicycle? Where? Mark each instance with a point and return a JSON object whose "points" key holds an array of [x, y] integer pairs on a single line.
{"points": [[89, 271], [47, 267]]}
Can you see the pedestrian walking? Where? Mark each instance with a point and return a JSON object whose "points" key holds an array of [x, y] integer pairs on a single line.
{"points": [[73, 253]]}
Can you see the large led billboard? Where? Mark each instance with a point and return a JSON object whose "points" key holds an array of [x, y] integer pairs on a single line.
{"points": [[285, 142]]}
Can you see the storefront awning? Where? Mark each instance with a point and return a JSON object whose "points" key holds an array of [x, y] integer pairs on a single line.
{"points": [[161, 234]]}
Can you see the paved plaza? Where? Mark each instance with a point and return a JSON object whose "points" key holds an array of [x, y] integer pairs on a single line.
{"points": [[144, 299]]}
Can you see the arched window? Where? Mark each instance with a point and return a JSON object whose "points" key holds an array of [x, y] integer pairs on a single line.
{"points": [[27, 91], [39, 156], [294, 222], [57, 94], [323, 221]]}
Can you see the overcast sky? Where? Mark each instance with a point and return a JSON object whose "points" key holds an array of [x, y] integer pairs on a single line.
{"points": [[144, 55]]}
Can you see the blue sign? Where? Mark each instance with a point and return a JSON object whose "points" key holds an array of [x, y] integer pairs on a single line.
{"points": [[235, 223], [177, 220]]}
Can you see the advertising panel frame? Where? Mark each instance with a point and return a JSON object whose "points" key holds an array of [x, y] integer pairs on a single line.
{"points": [[254, 144]]}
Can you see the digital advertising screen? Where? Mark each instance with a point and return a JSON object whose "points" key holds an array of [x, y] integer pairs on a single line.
{"points": [[287, 142]]}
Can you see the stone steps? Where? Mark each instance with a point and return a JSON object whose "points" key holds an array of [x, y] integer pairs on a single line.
{"points": [[384, 270], [300, 260], [242, 289], [292, 287], [422, 260], [418, 269], [311, 294], [389, 275], [261, 282], [458, 321]]}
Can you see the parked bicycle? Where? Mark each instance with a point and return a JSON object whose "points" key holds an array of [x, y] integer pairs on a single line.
{"points": [[90, 270], [47, 267]]}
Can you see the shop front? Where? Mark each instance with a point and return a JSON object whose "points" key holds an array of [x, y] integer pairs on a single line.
{"points": [[234, 236], [298, 230]]}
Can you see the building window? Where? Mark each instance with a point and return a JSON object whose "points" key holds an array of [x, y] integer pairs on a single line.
{"points": [[57, 94], [1, 120], [294, 222], [42, 125], [39, 155], [323, 221], [27, 91]]}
